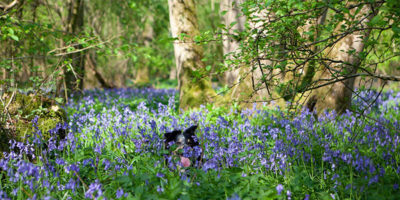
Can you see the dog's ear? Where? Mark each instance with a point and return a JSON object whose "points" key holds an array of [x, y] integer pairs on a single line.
{"points": [[171, 136], [190, 130], [191, 136]]}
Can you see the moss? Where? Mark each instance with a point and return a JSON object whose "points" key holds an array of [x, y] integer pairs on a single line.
{"points": [[23, 109], [196, 94]]}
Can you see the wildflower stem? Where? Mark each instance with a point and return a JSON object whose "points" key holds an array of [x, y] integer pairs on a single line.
{"points": [[26, 192], [83, 183]]}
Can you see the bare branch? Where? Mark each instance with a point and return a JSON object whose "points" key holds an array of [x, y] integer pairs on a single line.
{"points": [[7, 7]]}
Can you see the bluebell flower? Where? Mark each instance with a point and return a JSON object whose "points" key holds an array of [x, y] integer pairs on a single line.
{"points": [[160, 189], [279, 189], [106, 164], [120, 193], [60, 161], [288, 194], [71, 185], [234, 197], [160, 175], [95, 189]]}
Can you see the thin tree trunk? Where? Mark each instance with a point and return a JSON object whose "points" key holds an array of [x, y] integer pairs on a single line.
{"points": [[230, 44], [142, 73], [74, 78]]}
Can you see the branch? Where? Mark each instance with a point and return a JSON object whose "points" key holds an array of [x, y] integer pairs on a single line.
{"points": [[71, 45], [6, 7], [78, 50], [335, 80], [382, 76]]}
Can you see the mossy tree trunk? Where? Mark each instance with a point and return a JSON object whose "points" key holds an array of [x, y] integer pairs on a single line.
{"points": [[193, 91]]}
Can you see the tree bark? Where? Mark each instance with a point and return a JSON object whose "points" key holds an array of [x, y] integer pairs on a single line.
{"points": [[74, 26], [92, 63], [231, 44], [142, 73], [193, 91], [254, 83]]}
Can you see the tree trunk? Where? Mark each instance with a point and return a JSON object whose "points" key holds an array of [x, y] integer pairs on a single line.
{"points": [[252, 84], [74, 26], [142, 73], [231, 44], [193, 91], [91, 58], [172, 74], [337, 96]]}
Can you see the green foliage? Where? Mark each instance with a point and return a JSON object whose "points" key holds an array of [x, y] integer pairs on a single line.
{"points": [[286, 33]]}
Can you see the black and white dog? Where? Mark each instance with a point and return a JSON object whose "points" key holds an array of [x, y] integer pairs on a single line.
{"points": [[184, 140]]}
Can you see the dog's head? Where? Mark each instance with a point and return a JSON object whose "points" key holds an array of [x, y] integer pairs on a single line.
{"points": [[182, 140], [185, 139]]}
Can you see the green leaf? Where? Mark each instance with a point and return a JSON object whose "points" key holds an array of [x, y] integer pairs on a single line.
{"points": [[197, 38], [208, 67], [224, 12], [59, 100], [70, 49], [396, 29], [14, 37], [11, 31], [376, 20], [232, 24], [134, 58]]}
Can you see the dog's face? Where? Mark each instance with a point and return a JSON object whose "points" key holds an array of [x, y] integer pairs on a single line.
{"points": [[182, 140], [185, 139]]}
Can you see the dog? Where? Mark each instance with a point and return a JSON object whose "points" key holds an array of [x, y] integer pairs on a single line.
{"points": [[182, 141]]}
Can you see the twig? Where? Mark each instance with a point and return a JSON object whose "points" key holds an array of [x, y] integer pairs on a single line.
{"points": [[26, 192], [83, 183], [79, 50], [66, 47], [12, 96]]}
